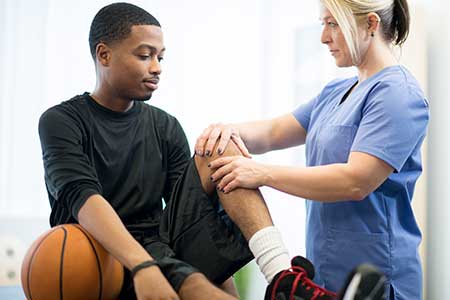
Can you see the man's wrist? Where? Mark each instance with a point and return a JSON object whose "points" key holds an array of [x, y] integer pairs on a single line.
{"points": [[143, 265], [135, 255]]}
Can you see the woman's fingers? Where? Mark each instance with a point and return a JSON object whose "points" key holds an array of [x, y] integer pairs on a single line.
{"points": [[223, 167], [221, 135], [202, 140], [240, 143], [225, 181], [221, 161], [224, 139], [212, 139]]}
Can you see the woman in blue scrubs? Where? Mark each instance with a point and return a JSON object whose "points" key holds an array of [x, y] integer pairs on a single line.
{"points": [[363, 137]]}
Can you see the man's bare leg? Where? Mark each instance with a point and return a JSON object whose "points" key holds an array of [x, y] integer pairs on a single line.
{"points": [[229, 287], [197, 287], [248, 210]]}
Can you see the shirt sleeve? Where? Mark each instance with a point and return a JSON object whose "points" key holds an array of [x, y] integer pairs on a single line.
{"points": [[393, 123], [178, 155], [69, 176], [303, 113]]}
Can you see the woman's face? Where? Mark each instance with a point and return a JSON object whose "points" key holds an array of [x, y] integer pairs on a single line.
{"points": [[333, 37]]}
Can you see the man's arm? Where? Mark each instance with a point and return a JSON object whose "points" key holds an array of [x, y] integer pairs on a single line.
{"points": [[101, 221]]}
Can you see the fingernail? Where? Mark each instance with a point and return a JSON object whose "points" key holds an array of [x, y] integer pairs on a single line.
{"points": [[209, 165], [207, 152], [220, 151], [212, 179], [223, 190], [199, 153]]}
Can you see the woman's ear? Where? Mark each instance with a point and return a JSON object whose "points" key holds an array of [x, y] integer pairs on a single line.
{"points": [[373, 23]]}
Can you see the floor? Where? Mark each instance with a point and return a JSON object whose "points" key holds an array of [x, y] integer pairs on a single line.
{"points": [[11, 293]]}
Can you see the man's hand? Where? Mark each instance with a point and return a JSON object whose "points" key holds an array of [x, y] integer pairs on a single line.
{"points": [[222, 133], [150, 284]]}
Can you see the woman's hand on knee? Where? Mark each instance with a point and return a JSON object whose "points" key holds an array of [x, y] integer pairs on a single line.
{"points": [[216, 138], [238, 172]]}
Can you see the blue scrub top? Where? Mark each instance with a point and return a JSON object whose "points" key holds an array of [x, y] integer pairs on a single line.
{"points": [[385, 116]]}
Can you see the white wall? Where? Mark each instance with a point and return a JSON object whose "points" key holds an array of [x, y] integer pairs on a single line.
{"points": [[413, 55], [438, 229]]}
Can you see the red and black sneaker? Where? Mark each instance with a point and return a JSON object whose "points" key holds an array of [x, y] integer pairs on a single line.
{"points": [[296, 283]]}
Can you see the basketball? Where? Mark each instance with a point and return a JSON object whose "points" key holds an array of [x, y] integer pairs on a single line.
{"points": [[67, 263]]}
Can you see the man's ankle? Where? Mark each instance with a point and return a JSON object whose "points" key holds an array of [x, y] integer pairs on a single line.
{"points": [[270, 252]]}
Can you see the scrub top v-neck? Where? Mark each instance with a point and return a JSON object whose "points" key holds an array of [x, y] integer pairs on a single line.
{"points": [[385, 116]]}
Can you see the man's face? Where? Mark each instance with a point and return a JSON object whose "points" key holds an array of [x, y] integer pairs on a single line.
{"points": [[134, 68]]}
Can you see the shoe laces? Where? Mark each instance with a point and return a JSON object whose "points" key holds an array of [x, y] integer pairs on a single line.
{"points": [[301, 279]]}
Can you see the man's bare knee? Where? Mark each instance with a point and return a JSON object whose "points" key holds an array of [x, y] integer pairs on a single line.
{"points": [[202, 162]]}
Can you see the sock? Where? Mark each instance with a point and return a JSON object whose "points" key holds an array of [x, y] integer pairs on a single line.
{"points": [[270, 253]]}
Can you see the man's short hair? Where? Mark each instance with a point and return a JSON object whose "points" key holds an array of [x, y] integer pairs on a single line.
{"points": [[113, 23]]}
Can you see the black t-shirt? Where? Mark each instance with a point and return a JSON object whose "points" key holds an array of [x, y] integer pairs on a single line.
{"points": [[132, 159]]}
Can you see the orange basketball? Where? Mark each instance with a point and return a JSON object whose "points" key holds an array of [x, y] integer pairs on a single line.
{"points": [[67, 263]]}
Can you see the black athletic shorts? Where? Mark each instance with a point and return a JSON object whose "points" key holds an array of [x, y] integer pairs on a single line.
{"points": [[195, 234]]}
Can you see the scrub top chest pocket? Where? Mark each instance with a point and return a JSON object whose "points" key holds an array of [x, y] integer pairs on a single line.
{"points": [[334, 143]]}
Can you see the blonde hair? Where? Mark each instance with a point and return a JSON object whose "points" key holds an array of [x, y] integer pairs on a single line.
{"points": [[349, 14]]}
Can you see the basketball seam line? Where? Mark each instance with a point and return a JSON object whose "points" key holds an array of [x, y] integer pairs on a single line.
{"points": [[98, 261], [62, 264], [32, 258]]}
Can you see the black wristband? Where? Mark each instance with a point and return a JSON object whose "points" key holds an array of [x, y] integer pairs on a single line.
{"points": [[143, 265]]}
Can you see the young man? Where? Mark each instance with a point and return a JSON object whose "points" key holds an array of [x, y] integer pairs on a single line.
{"points": [[110, 159]]}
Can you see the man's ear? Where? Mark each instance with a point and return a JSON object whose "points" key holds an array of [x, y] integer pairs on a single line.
{"points": [[103, 54]]}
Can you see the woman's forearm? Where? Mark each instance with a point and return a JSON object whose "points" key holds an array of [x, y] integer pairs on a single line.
{"points": [[329, 183], [256, 135], [273, 134]]}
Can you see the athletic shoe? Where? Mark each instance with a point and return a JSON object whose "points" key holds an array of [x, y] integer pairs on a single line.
{"points": [[296, 283], [364, 283]]}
